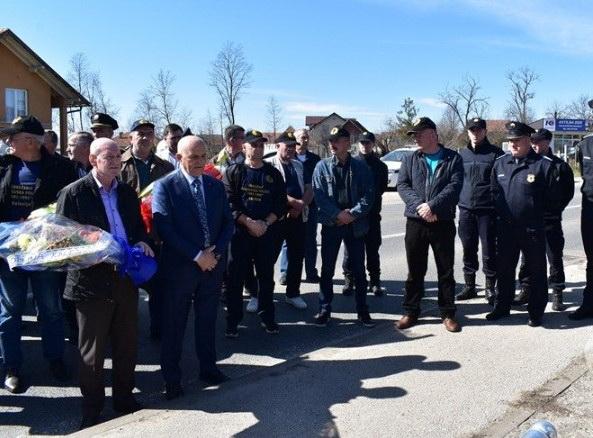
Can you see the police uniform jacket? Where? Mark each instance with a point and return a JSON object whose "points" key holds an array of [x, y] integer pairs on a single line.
{"points": [[585, 160], [477, 169], [524, 189], [441, 193], [360, 183], [129, 172], [380, 179], [565, 178]]}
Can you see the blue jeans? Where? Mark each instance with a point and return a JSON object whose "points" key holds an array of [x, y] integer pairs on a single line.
{"points": [[331, 240], [13, 298], [310, 247]]}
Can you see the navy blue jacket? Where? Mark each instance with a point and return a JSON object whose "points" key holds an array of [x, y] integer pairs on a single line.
{"points": [[585, 160], [441, 194], [380, 177], [524, 190], [565, 178], [361, 193], [477, 167]]}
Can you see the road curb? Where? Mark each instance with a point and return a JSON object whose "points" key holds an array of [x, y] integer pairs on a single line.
{"points": [[523, 407]]}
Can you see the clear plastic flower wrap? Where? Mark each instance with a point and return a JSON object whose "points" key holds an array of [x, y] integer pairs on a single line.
{"points": [[49, 241], [54, 242]]}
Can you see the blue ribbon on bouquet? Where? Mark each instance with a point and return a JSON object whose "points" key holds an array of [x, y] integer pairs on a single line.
{"points": [[137, 265]]}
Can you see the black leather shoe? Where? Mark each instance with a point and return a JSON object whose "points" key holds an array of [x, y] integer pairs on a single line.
{"points": [[581, 313], [467, 293], [534, 322], [497, 313], [214, 378], [377, 290], [365, 319], [313, 279], [127, 407], [282, 280], [321, 319], [59, 371], [12, 382], [89, 421], [523, 298], [173, 390]]}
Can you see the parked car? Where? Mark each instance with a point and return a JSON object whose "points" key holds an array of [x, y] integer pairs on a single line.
{"points": [[393, 160]]}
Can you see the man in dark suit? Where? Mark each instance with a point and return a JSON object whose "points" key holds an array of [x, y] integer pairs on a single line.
{"points": [[193, 218], [106, 302]]}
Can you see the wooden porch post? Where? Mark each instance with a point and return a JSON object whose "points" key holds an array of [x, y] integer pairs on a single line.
{"points": [[63, 127]]}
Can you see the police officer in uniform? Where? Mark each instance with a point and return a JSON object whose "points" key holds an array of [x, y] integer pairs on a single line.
{"points": [[541, 140], [524, 187], [103, 125], [372, 240], [476, 210], [257, 195], [344, 194], [585, 160]]}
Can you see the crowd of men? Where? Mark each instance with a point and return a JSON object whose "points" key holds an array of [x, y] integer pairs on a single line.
{"points": [[218, 233]]}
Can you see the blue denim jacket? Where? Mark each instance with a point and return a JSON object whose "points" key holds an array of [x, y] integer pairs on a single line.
{"points": [[362, 193]]}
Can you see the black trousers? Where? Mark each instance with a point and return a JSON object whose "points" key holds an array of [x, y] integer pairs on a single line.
{"points": [[478, 227], [292, 230], [511, 240], [587, 235], [153, 288], [246, 251], [440, 236], [101, 322], [372, 243], [554, 253]]}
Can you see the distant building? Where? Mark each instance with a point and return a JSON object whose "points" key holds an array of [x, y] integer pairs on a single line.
{"points": [[320, 126], [566, 132], [29, 86]]}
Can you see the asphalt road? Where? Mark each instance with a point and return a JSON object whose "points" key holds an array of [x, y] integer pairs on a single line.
{"points": [[339, 380]]}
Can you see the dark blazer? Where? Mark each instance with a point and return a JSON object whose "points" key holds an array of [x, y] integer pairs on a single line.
{"points": [[177, 220], [82, 202]]}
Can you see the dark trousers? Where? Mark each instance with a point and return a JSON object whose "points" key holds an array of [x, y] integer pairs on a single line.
{"points": [[587, 235], [311, 242], [440, 236], [478, 227], [513, 239], [102, 321], [331, 239], [155, 295], [203, 290], [372, 243], [246, 251], [292, 230], [554, 250]]}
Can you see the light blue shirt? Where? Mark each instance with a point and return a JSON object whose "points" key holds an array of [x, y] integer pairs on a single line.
{"points": [[109, 198]]}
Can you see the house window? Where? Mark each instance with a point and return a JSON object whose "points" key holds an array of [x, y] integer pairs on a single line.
{"points": [[16, 103]]}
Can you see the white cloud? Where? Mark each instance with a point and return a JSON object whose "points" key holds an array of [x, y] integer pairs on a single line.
{"points": [[431, 102]]}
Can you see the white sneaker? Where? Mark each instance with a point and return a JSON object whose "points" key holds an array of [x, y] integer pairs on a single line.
{"points": [[297, 302], [252, 305]]}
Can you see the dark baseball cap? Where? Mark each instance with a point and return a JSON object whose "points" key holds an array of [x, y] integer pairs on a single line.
{"points": [[254, 136], [141, 122], [541, 134], [421, 124], [287, 138], [476, 123], [518, 130], [338, 132], [101, 119], [28, 124], [366, 137]]}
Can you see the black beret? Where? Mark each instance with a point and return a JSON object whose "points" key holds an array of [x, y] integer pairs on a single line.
{"points": [[338, 132], [254, 136], [287, 138], [28, 124], [366, 136], [476, 122], [541, 134]]}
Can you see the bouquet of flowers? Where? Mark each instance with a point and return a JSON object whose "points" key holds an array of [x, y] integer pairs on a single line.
{"points": [[49, 241]]}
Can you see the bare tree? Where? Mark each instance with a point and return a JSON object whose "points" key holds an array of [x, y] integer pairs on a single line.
{"points": [[88, 83], [521, 82], [207, 128], [230, 76], [464, 101], [158, 103], [557, 109], [274, 115], [579, 108], [450, 129]]}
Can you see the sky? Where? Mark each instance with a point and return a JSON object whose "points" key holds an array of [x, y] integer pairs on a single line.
{"points": [[359, 58]]}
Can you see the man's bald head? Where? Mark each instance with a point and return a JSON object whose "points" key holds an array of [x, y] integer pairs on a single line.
{"points": [[192, 155], [105, 157], [100, 144]]}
